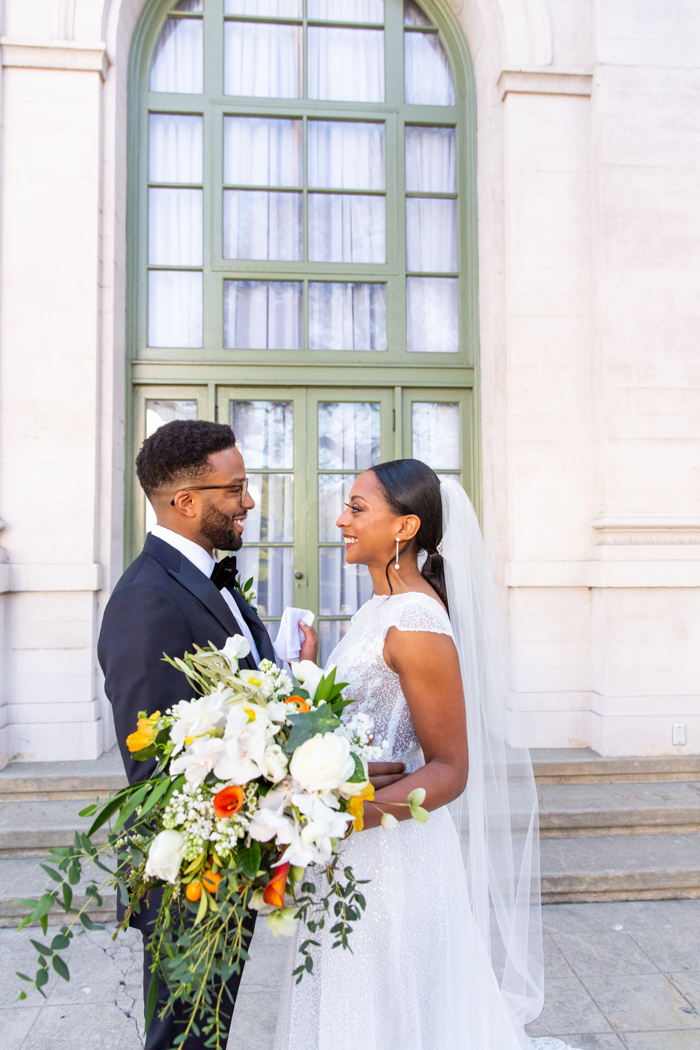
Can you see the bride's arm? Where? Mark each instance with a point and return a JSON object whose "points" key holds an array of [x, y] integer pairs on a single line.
{"points": [[428, 668]]}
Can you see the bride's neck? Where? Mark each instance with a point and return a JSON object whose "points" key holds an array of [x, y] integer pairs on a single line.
{"points": [[406, 578]]}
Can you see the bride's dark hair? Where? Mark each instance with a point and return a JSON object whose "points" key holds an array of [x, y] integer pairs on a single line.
{"points": [[411, 487]]}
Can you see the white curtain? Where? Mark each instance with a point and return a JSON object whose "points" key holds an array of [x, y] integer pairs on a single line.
{"points": [[259, 225], [265, 8], [347, 316], [345, 155], [345, 65], [435, 432], [263, 315], [431, 235], [430, 160], [272, 569], [427, 72], [432, 312], [348, 435], [178, 59], [174, 227], [261, 151], [347, 228], [175, 308], [175, 148], [262, 60], [346, 10], [264, 433], [272, 518]]}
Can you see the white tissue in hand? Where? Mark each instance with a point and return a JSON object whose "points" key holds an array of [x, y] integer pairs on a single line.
{"points": [[290, 636]]}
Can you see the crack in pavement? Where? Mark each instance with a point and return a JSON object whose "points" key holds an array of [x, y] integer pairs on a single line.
{"points": [[126, 954]]}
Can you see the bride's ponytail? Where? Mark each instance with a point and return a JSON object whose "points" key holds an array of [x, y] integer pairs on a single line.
{"points": [[411, 487]]}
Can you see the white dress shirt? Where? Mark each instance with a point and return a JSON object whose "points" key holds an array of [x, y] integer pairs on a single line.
{"points": [[205, 563]]}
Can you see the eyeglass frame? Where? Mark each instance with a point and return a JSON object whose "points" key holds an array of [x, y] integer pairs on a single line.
{"points": [[243, 482]]}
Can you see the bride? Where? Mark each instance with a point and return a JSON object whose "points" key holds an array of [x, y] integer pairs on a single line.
{"points": [[447, 955]]}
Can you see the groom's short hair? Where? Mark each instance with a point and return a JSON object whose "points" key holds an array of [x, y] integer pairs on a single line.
{"points": [[178, 453]]}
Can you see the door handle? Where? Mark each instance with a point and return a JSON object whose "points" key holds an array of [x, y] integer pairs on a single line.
{"points": [[298, 575]]}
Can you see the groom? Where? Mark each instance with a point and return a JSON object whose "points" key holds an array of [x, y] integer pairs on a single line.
{"points": [[176, 595]]}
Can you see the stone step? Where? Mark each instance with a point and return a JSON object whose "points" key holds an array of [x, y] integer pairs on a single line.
{"points": [[21, 877], [581, 765], [620, 868], [32, 828], [42, 781], [618, 808]]}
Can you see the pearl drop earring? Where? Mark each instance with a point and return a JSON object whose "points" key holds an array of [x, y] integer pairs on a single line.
{"points": [[396, 565]]}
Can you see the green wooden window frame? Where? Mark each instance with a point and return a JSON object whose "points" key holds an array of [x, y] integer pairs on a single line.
{"points": [[211, 367]]}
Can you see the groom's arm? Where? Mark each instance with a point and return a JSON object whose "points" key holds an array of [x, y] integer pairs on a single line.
{"points": [[140, 624]]}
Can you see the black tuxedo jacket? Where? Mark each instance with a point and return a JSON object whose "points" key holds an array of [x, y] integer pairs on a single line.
{"points": [[162, 604]]}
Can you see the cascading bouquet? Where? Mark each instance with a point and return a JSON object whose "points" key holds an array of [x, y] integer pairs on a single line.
{"points": [[254, 783]]}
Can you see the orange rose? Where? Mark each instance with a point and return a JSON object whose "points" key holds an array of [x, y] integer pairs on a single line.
{"points": [[356, 807], [228, 801], [274, 891], [145, 732], [298, 702]]}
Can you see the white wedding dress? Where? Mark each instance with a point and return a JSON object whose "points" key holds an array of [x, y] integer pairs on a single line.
{"points": [[419, 976]]}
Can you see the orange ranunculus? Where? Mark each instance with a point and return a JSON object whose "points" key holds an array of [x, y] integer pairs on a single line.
{"points": [[194, 890], [298, 701], [211, 880], [356, 807], [145, 732], [228, 801], [274, 891]]}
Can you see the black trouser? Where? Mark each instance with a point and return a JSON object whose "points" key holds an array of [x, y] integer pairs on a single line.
{"points": [[163, 1030]]}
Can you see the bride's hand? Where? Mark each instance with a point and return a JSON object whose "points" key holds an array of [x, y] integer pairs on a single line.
{"points": [[309, 647], [382, 774]]}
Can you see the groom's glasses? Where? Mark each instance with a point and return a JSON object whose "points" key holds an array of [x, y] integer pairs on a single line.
{"points": [[239, 489]]}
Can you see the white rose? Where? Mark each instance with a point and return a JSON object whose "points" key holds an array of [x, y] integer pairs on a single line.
{"points": [[274, 763], [323, 763], [165, 855], [235, 648], [309, 675]]}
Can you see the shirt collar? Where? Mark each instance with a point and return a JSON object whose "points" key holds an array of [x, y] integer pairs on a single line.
{"points": [[191, 550]]}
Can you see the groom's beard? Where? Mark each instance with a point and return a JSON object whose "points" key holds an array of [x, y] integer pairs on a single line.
{"points": [[219, 529]]}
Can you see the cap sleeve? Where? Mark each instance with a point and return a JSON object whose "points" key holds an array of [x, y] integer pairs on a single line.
{"points": [[419, 612]]}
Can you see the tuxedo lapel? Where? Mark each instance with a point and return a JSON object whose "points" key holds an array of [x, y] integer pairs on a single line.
{"points": [[256, 626], [190, 577]]}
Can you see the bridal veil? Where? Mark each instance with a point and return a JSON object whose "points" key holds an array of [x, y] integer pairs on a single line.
{"points": [[497, 815]]}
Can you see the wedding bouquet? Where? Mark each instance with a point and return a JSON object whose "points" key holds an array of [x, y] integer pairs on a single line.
{"points": [[256, 780]]}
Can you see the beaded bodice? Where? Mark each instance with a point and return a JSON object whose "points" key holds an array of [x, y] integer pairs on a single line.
{"points": [[371, 683]]}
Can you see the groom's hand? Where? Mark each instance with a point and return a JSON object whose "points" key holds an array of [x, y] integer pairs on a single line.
{"points": [[382, 774], [309, 647]]}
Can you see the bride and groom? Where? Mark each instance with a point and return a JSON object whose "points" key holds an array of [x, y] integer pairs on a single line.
{"points": [[448, 953]]}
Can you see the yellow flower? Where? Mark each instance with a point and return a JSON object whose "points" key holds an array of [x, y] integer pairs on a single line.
{"points": [[145, 732], [356, 807]]}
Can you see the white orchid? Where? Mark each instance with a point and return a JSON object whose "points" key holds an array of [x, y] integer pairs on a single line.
{"points": [[277, 711], [324, 824], [198, 759], [323, 763], [196, 718], [243, 746], [268, 823], [309, 675], [235, 648]]}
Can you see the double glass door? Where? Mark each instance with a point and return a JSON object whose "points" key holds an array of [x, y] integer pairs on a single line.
{"points": [[303, 447]]}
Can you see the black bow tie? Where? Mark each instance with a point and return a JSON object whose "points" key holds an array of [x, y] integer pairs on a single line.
{"points": [[224, 572]]}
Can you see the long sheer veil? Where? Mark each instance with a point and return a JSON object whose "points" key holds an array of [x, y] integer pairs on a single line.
{"points": [[497, 815]]}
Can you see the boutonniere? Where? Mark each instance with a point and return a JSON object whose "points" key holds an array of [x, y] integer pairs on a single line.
{"points": [[246, 591]]}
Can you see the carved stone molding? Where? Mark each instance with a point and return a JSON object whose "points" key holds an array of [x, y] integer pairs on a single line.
{"points": [[55, 54], [637, 531], [543, 82]]}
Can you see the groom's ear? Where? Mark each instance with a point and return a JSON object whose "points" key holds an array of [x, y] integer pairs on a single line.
{"points": [[184, 504]]}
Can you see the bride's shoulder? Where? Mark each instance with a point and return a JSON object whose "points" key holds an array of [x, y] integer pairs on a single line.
{"points": [[416, 611]]}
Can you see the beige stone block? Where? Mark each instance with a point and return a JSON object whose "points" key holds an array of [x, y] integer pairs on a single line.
{"points": [[57, 713], [557, 728], [78, 741], [547, 133]]}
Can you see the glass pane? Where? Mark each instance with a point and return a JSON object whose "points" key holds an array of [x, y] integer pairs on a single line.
{"points": [[346, 65], [346, 10], [431, 234], [432, 315], [427, 74], [175, 152], [260, 225], [342, 588], [333, 494], [430, 160], [158, 413], [178, 60], [272, 518], [436, 434], [413, 15], [347, 228], [263, 315], [330, 632], [347, 316], [189, 5], [175, 227], [174, 308], [262, 152], [264, 433], [272, 569], [346, 156], [262, 60], [266, 8], [348, 435]]}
